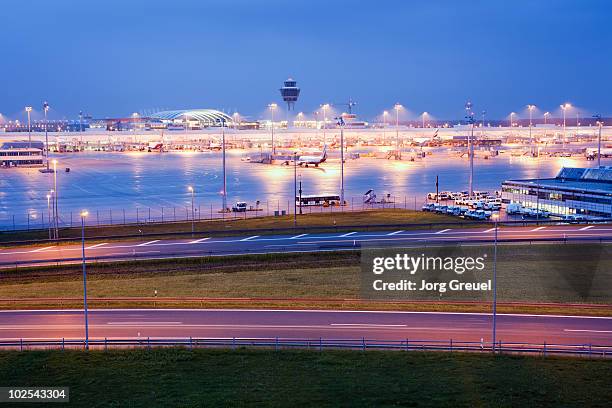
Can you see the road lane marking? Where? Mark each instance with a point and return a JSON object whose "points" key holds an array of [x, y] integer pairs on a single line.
{"points": [[148, 243], [587, 331], [586, 228], [142, 323], [367, 324], [97, 245], [298, 236], [249, 238], [348, 234], [396, 232], [537, 229], [443, 231], [197, 241], [41, 249], [490, 230]]}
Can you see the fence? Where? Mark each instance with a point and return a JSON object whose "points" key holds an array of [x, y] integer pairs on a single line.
{"points": [[43, 218], [276, 343]]}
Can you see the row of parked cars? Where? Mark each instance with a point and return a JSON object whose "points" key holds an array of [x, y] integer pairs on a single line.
{"points": [[458, 211]]}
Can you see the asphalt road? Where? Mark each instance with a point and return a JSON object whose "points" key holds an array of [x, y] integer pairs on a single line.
{"points": [[202, 245], [304, 324]]}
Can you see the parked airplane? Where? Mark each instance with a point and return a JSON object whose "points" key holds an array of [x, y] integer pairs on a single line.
{"points": [[313, 160]]}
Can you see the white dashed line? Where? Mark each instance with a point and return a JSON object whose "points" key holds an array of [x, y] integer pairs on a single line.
{"points": [[298, 236], [249, 238], [148, 243], [443, 231], [197, 241], [41, 249], [537, 229], [396, 232], [347, 234], [586, 228], [97, 245]]}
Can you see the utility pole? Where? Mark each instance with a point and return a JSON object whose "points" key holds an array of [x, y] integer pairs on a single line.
{"points": [[398, 154], [29, 110], [600, 124], [83, 215], [471, 121], [295, 189], [341, 123], [224, 201]]}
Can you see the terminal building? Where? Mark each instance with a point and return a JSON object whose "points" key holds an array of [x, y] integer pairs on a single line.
{"points": [[194, 118], [21, 153], [582, 191]]}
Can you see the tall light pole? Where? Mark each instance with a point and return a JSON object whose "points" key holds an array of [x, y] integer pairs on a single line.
{"points": [[531, 108], [55, 195], [470, 117], [495, 218], [324, 107], [190, 188], [484, 112], [398, 154], [84, 214], [564, 108], [423, 118], [45, 109], [511, 116], [295, 190], [81, 127], [224, 200], [29, 110], [341, 123], [600, 124], [385, 114], [546, 115], [49, 212], [272, 108]]}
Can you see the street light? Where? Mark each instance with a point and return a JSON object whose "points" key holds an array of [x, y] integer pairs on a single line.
{"points": [[398, 154], [341, 123], [385, 114], [531, 108], [495, 217], [424, 115], [190, 188], [45, 109], [224, 198], [295, 189], [28, 109], [84, 214], [272, 108], [470, 117], [511, 115], [49, 212], [564, 107], [55, 206], [600, 124], [546, 115], [324, 107]]}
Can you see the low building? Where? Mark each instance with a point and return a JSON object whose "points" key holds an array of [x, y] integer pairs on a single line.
{"points": [[584, 191], [21, 153]]}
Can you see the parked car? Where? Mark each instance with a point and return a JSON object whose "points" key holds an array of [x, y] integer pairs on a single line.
{"points": [[514, 208], [432, 196], [240, 206]]}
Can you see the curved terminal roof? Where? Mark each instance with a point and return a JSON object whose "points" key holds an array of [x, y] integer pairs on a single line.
{"points": [[210, 116]]}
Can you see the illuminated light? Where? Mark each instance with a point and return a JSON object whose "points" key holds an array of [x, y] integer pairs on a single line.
{"points": [[84, 213]]}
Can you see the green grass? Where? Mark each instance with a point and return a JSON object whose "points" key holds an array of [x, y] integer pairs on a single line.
{"points": [[574, 275], [324, 219], [261, 378]]}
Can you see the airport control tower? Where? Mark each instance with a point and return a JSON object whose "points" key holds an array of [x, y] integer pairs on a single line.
{"points": [[290, 93]]}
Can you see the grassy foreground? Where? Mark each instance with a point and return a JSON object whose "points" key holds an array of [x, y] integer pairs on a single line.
{"points": [[327, 218], [180, 377]]}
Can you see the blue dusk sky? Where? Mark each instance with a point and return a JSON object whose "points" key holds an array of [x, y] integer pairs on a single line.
{"points": [[110, 58]]}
